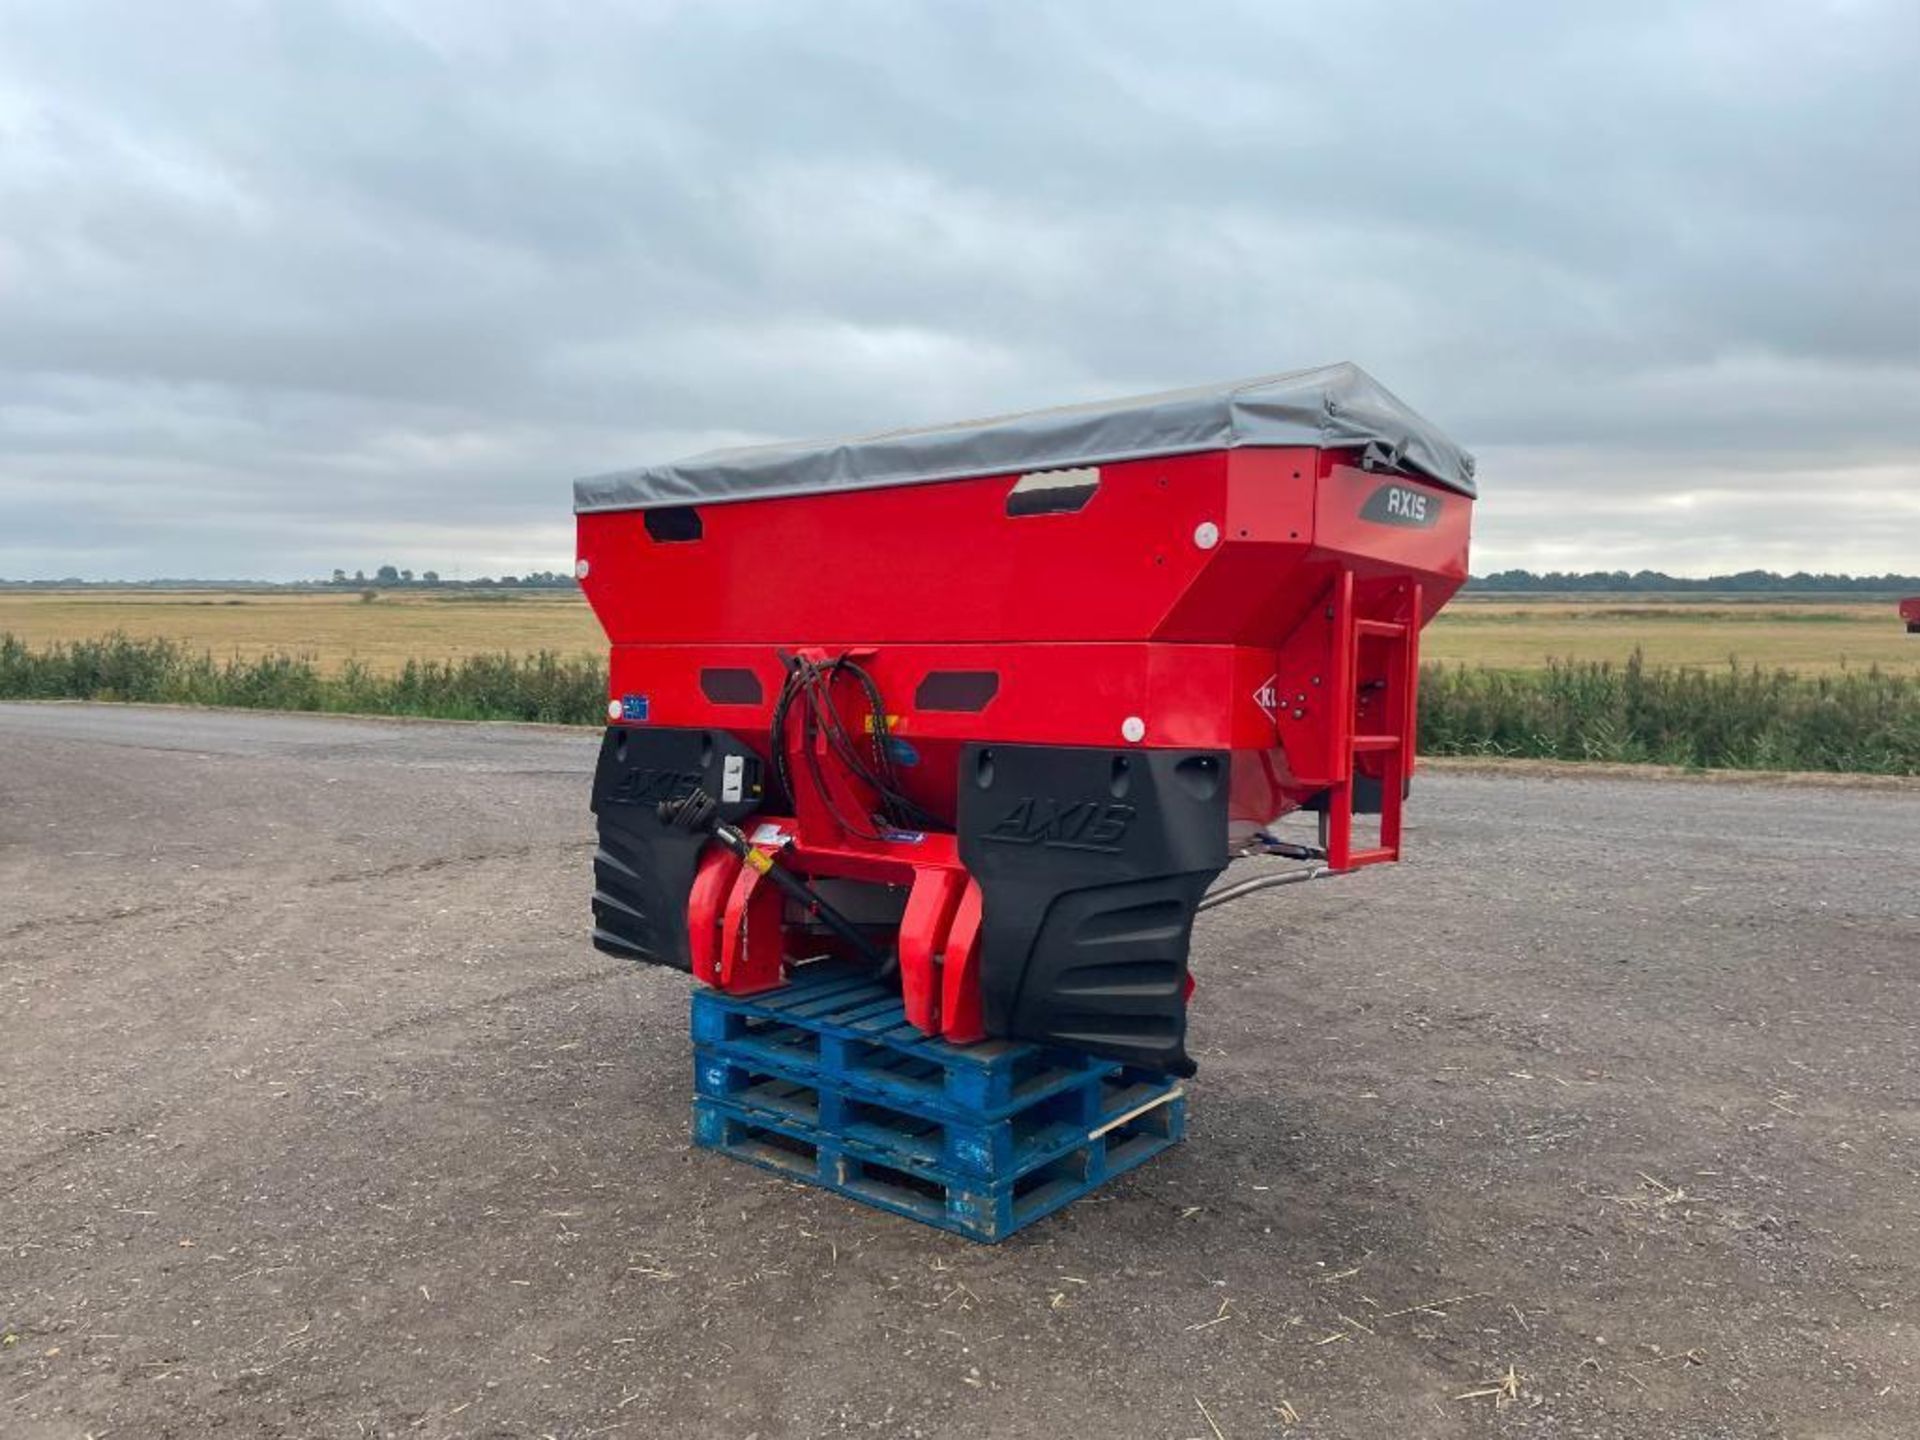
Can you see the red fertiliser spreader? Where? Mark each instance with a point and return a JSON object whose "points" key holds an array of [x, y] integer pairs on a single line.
{"points": [[990, 707], [1910, 612]]}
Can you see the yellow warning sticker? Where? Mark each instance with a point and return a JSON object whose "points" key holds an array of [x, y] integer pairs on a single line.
{"points": [[895, 724]]}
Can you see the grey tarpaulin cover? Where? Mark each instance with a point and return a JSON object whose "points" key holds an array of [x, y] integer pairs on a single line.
{"points": [[1332, 406]]}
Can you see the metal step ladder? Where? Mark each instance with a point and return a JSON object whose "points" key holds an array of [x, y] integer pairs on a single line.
{"points": [[1377, 665]]}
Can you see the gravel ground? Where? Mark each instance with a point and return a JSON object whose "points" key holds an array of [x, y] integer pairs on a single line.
{"points": [[318, 1116]]}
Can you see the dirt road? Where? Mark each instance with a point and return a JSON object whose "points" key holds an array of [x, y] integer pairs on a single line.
{"points": [[318, 1116]]}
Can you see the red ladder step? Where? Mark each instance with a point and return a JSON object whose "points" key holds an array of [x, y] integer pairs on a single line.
{"points": [[1395, 745]]}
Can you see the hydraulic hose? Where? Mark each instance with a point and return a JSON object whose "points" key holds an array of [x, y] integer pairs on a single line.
{"points": [[1246, 887]]}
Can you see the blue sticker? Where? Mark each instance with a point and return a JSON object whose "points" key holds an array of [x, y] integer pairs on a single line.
{"points": [[902, 752], [634, 708], [903, 837]]}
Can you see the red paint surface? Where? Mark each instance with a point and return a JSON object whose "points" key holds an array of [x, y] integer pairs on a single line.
{"points": [[1087, 619]]}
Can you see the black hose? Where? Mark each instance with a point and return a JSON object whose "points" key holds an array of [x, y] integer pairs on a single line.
{"points": [[811, 685]]}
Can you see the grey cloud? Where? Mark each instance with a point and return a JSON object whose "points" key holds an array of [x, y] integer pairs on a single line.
{"points": [[334, 272]]}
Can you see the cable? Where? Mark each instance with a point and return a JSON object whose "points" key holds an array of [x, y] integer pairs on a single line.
{"points": [[811, 685]]}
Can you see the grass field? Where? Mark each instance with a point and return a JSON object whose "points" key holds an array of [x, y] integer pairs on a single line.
{"points": [[382, 634], [1810, 637]]}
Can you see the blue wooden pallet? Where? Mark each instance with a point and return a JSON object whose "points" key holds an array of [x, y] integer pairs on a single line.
{"points": [[993, 1145], [849, 1031], [824, 1081], [963, 1204]]}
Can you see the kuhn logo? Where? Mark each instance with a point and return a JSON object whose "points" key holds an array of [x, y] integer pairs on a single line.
{"points": [[1267, 697], [1064, 825], [650, 787], [1401, 505]]}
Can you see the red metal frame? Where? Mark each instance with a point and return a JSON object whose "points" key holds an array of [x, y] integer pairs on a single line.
{"points": [[1238, 600]]}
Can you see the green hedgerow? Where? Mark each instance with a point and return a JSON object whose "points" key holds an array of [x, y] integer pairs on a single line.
{"points": [[1751, 719], [1865, 720], [544, 686]]}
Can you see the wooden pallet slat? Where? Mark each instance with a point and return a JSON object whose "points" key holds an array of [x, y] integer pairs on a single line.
{"points": [[844, 1044], [962, 1204]]}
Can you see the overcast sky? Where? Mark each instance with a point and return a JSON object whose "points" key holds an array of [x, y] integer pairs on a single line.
{"points": [[285, 285]]}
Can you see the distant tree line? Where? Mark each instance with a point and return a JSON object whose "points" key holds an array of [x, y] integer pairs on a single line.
{"points": [[384, 577], [391, 577], [1514, 582], [1755, 582]]}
